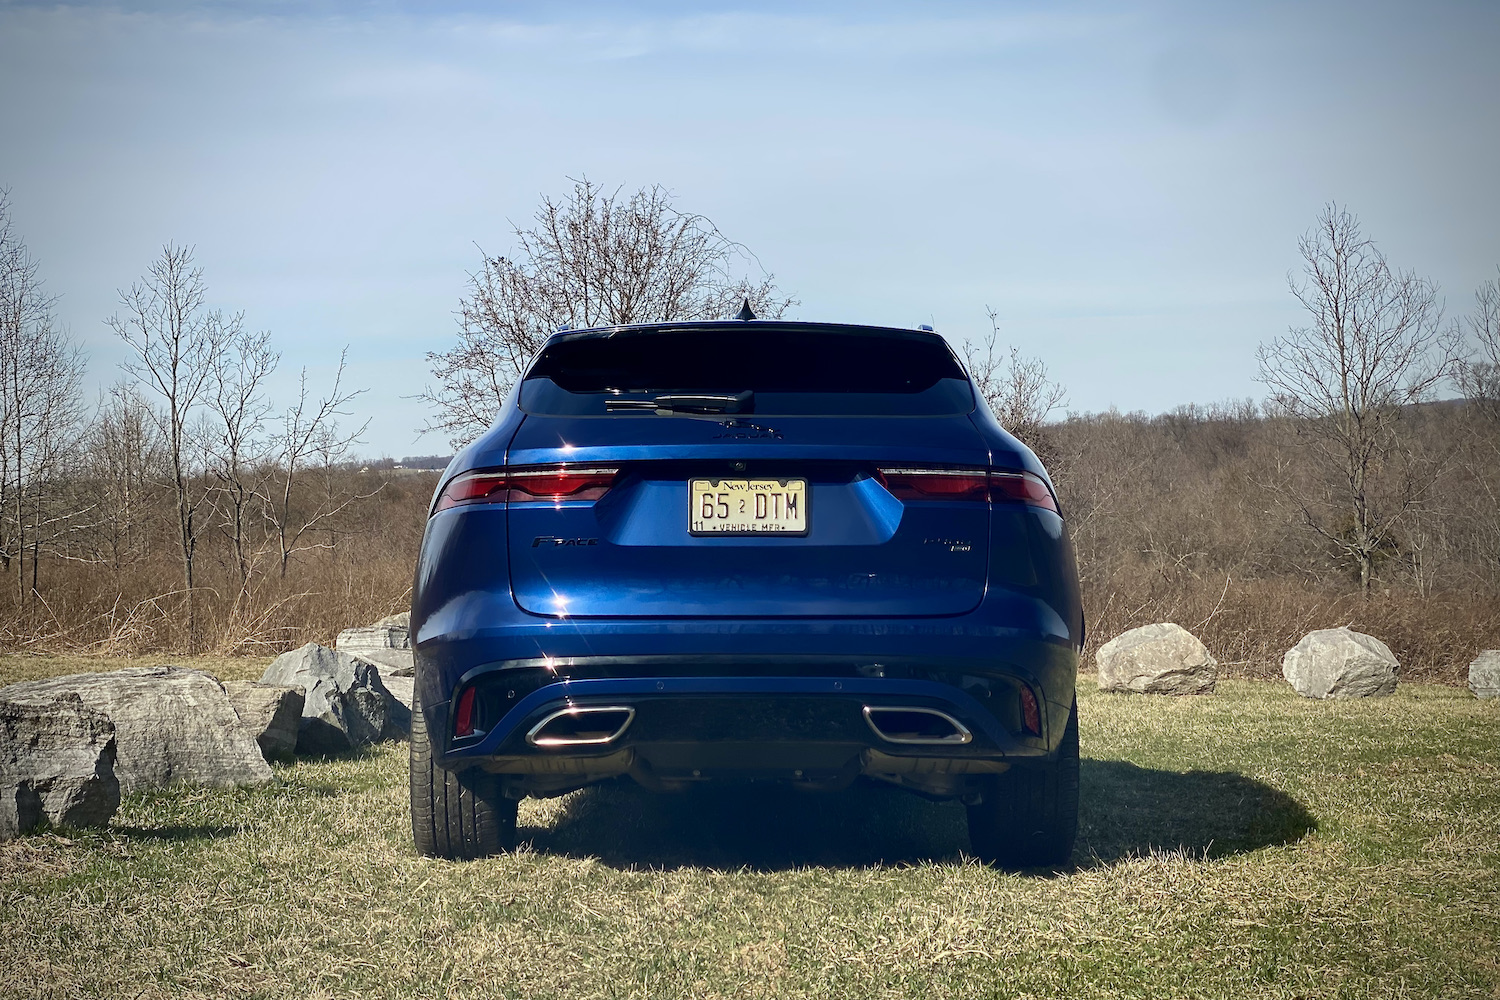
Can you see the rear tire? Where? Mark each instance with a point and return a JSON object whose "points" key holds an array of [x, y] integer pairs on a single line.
{"points": [[455, 815], [1029, 815]]}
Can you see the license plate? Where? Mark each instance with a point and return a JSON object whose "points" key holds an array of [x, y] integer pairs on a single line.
{"points": [[747, 506]]}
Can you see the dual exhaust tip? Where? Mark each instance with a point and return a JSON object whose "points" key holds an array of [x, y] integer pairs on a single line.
{"points": [[597, 725], [910, 724], [582, 726]]}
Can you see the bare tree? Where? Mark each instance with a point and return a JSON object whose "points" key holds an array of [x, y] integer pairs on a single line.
{"points": [[237, 457], [40, 376], [1478, 380], [174, 343], [1017, 388], [1377, 344], [123, 464], [308, 440], [1478, 377], [592, 259]]}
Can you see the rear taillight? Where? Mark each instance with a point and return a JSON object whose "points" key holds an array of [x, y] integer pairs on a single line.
{"points": [[996, 485], [935, 484], [1007, 486], [498, 486]]}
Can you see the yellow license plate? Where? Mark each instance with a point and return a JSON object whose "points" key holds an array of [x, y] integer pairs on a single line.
{"points": [[747, 506]]}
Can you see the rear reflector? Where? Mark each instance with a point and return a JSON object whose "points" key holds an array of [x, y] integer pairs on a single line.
{"points": [[496, 486], [463, 714], [1031, 715], [996, 485]]}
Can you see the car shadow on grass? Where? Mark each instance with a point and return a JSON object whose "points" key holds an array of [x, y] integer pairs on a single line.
{"points": [[1126, 812]]}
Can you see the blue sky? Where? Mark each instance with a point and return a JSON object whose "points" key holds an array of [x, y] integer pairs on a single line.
{"points": [[1123, 183]]}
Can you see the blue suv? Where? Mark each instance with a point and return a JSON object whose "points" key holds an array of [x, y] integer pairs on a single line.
{"points": [[746, 551]]}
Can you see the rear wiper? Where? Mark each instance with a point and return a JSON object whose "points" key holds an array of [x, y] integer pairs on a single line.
{"points": [[685, 402]]}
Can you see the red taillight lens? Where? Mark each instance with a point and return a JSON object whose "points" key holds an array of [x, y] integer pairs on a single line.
{"points": [[518, 485], [473, 487], [934, 484], [1020, 487], [562, 484], [463, 714], [1031, 715], [996, 485]]}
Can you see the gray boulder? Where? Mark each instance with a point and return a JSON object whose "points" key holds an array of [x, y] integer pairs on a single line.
{"points": [[270, 713], [347, 705], [1484, 674], [386, 643], [57, 763], [402, 689], [1157, 659], [171, 724], [1340, 663]]}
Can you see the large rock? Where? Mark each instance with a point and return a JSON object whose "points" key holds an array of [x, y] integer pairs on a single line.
{"points": [[1340, 663], [386, 643], [270, 713], [347, 704], [57, 763], [171, 725], [402, 689], [1157, 659], [1484, 674]]}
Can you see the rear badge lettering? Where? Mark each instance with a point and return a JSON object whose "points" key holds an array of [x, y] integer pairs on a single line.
{"points": [[954, 544], [553, 541]]}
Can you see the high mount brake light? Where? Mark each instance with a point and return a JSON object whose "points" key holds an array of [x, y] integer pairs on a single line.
{"points": [[520, 485], [996, 485]]}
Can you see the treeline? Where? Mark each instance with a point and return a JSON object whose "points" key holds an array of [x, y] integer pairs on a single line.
{"points": [[1196, 517]]}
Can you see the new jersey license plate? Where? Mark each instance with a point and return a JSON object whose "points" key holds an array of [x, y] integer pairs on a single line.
{"points": [[747, 506]]}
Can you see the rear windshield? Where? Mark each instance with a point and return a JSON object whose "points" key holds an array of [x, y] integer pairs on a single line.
{"points": [[788, 370]]}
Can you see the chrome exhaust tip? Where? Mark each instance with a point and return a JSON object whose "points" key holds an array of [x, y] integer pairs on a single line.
{"points": [[909, 724], [581, 726]]}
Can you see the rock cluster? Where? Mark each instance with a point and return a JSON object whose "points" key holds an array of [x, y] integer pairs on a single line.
{"points": [[1340, 663], [346, 705], [1157, 659], [70, 746], [1484, 674], [171, 724], [57, 764]]}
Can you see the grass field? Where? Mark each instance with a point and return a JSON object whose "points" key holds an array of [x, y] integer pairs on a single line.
{"points": [[1246, 844]]}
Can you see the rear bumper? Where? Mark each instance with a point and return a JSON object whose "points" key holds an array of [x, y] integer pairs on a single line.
{"points": [[801, 718]]}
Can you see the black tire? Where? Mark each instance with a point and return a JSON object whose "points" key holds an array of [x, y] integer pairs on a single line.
{"points": [[1029, 815], [459, 816]]}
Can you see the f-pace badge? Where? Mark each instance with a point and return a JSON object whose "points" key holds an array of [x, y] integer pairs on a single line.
{"points": [[553, 541]]}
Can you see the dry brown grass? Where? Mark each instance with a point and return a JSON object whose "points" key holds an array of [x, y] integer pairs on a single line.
{"points": [[1173, 520], [1249, 625]]}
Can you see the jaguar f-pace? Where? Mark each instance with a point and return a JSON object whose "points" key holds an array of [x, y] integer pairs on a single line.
{"points": [[747, 551]]}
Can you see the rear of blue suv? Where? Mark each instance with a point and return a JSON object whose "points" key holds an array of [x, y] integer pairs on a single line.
{"points": [[746, 551]]}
